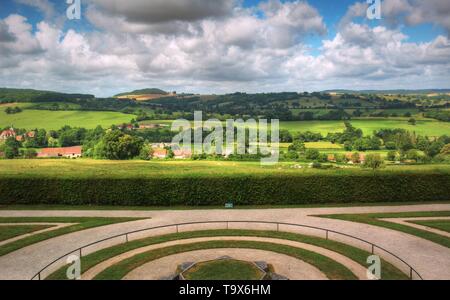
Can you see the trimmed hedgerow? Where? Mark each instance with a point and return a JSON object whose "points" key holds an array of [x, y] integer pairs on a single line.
{"points": [[242, 190]]}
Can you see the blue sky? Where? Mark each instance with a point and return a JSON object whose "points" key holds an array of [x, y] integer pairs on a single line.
{"points": [[224, 46]]}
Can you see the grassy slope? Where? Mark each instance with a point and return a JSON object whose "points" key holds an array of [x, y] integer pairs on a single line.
{"points": [[374, 219], [8, 232], [358, 255], [443, 225], [82, 224], [86, 168], [53, 120]]}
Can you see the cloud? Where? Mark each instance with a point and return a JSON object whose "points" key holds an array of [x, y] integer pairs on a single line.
{"points": [[43, 5], [157, 11], [406, 12], [255, 50]]}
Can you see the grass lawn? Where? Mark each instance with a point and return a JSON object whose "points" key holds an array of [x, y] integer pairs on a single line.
{"points": [[80, 224], [224, 269], [54, 120], [358, 255], [374, 219], [87, 168], [10, 231], [443, 225]]}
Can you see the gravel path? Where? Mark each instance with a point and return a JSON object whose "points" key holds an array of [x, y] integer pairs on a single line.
{"points": [[284, 265], [356, 268], [432, 261]]}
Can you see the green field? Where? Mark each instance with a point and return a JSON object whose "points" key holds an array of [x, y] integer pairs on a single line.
{"points": [[54, 120], [423, 127], [88, 168]]}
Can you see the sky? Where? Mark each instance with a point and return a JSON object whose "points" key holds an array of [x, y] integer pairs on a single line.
{"points": [[224, 46]]}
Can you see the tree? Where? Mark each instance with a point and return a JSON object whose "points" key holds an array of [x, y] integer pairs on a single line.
{"points": [[435, 148], [413, 154], [117, 145], [392, 155], [445, 150], [297, 146], [146, 152], [312, 154], [29, 153], [10, 148], [373, 161], [412, 121], [390, 146], [285, 136]]}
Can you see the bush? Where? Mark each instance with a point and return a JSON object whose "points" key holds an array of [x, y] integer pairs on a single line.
{"points": [[392, 155], [373, 161], [312, 154], [253, 190]]}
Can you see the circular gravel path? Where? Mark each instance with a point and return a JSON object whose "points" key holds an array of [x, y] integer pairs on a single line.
{"points": [[356, 268], [284, 265]]}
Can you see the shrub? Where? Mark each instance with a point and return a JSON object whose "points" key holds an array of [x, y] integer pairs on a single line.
{"points": [[206, 190], [392, 155], [373, 161], [312, 154]]}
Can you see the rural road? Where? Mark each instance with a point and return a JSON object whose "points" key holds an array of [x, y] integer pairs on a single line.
{"points": [[431, 260]]}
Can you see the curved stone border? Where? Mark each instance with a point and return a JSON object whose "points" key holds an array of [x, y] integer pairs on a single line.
{"points": [[358, 270], [283, 264]]}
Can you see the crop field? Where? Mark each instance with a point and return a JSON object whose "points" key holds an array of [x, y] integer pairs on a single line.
{"points": [[54, 120]]}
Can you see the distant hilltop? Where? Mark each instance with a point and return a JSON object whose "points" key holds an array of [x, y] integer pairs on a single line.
{"points": [[145, 94], [391, 92]]}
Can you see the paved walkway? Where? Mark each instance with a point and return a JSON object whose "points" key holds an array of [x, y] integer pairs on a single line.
{"points": [[432, 261]]}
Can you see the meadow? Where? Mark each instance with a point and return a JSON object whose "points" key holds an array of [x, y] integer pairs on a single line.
{"points": [[54, 120], [369, 125], [429, 127]]}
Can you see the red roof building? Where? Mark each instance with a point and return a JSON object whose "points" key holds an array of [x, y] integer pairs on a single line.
{"points": [[67, 152], [160, 153], [6, 134]]}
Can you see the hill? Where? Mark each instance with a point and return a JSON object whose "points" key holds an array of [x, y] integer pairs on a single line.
{"points": [[8, 95], [391, 92], [144, 94]]}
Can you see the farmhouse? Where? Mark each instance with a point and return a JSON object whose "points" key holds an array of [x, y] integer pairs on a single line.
{"points": [[182, 154], [160, 153], [6, 134], [351, 160], [67, 152]]}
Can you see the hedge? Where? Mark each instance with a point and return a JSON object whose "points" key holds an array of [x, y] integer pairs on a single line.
{"points": [[242, 190]]}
